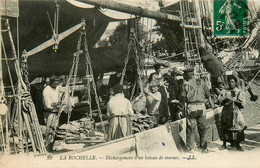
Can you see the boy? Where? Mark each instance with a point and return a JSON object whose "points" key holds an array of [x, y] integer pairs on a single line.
{"points": [[153, 98]]}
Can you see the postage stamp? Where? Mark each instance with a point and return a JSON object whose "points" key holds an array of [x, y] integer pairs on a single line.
{"points": [[230, 18]]}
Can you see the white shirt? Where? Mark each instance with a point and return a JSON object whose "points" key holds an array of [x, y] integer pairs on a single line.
{"points": [[119, 105], [50, 96], [152, 104]]}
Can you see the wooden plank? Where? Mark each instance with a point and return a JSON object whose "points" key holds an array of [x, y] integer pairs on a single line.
{"points": [[113, 148]]}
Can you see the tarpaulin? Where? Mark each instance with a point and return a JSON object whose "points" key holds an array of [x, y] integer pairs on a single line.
{"points": [[35, 29], [156, 142], [178, 129]]}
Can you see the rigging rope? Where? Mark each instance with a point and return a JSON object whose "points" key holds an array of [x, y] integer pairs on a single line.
{"points": [[23, 109], [8, 67], [72, 75], [133, 43], [89, 67], [89, 75]]}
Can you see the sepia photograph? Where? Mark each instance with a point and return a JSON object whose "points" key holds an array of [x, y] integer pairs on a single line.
{"points": [[129, 83]]}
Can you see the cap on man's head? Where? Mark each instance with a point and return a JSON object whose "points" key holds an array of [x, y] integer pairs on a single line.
{"points": [[229, 77], [176, 71], [154, 83], [157, 66], [54, 78], [117, 88], [188, 71]]}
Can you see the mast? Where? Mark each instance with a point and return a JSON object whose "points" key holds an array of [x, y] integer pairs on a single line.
{"points": [[136, 10]]}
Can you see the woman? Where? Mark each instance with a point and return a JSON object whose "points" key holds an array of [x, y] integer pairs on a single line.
{"points": [[119, 110], [232, 121]]}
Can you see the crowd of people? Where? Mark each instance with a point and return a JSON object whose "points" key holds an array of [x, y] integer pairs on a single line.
{"points": [[169, 97], [176, 95]]}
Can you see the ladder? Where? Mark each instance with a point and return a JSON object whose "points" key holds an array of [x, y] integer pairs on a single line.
{"points": [[192, 28], [191, 12]]}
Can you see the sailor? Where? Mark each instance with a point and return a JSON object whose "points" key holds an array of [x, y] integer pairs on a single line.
{"points": [[51, 103], [114, 79], [174, 89], [163, 109], [119, 110], [195, 94]]}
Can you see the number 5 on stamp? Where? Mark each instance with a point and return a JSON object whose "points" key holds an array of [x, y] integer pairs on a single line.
{"points": [[230, 18]]}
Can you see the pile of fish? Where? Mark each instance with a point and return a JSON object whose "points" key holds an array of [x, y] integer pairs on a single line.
{"points": [[79, 131], [141, 123]]}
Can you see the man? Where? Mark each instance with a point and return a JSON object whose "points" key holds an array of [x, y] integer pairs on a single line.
{"points": [[174, 88], [163, 109], [195, 94], [119, 110], [153, 99], [115, 78], [51, 103]]}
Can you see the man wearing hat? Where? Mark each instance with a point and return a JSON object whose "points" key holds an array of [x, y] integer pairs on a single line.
{"points": [[51, 103], [114, 79], [153, 99], [174, 89], [195, 94], [119, 110]]}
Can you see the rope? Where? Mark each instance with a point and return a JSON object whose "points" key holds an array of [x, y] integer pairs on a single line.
{"points": [[126, 62], [72, 74], [2, 99], [52, 28], [133, 43], [89, 67], [17, 37], [8, 67], [57, 17], [25, 70], [182, 8]]}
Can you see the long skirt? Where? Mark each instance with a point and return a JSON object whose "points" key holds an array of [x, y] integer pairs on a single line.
{"points": [[163, 108], [233, 124], [119, 127]]}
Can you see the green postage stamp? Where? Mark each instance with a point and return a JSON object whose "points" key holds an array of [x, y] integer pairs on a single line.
{"points": [[230, 18]]}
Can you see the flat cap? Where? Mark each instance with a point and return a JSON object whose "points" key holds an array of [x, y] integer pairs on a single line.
{"points": [[117, 88], [55, 78], [188, 70]]}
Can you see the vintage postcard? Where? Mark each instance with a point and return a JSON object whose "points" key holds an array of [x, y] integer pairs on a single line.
{"points": [[137, 83]]}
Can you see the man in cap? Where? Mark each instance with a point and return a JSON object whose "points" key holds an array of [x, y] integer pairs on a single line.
{"points": [[153, 99], [174, 89], [115, 78], [195, 94], [51, 103], [119, 110]]}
